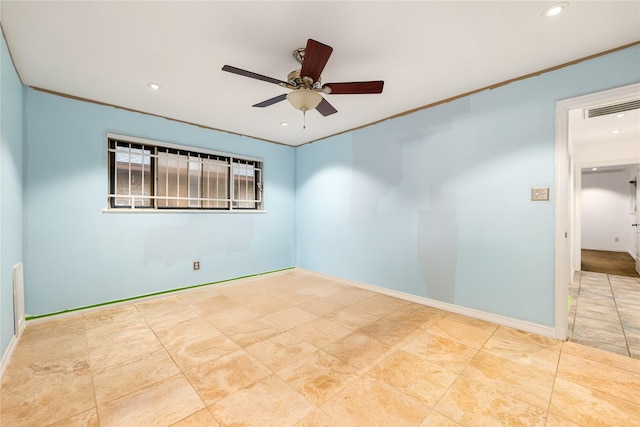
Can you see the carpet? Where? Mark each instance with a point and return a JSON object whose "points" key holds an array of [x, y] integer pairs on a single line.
{"points": [[617, 263]]}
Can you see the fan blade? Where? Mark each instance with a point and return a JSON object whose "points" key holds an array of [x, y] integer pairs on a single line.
{"points": [[355, 87], [316, 56], [325, 108], [257, 76], [271, 101]]}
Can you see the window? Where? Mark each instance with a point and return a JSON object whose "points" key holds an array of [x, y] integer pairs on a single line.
{"points": [[247, 184], [148, 175]]}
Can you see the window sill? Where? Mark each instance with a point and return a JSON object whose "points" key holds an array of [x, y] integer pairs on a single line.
{"points": [[180, 211]]}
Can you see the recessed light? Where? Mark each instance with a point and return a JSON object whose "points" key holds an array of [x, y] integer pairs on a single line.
{"points": [[620, 115], [616, 131], [154, 86], [284, 124], [594, 169], [554, 10]]}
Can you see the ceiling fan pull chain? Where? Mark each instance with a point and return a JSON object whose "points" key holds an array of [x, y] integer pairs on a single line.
{"points": [[304, 119]]}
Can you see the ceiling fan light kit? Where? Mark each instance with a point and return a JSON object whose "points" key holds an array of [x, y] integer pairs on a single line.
{"points": [[304, 99], [306, 85]]}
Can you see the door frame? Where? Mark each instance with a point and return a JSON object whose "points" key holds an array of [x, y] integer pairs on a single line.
{"points": [[565, 227], [637, 233]]}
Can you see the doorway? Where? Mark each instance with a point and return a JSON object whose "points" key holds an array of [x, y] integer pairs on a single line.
{"points": [[605, 289], [570, 158], [606, 219]]}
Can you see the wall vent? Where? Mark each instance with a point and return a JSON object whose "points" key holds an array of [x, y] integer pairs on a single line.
{"points": [[613, 108], [18, 298]]}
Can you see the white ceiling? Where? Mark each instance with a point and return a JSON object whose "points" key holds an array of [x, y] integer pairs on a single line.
{"points": [[610, 128], [425, 51]]}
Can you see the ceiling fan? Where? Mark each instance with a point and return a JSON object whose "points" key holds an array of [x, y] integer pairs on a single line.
{"points": [[306, 83]]}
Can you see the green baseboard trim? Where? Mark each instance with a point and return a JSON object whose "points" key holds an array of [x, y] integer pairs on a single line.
{"points": [[71, 310]]}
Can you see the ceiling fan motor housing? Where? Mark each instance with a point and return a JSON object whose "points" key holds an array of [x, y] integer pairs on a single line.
{"points": [[295, 79]]}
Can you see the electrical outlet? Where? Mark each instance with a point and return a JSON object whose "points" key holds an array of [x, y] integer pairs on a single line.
{"points": [[616, 239], [540, 194], [196, 265]]}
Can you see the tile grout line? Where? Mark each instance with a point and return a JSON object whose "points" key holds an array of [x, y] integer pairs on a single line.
{"points": [[572, 381], [173, 359], [575, 315], [93, 382], [273, 372], [492, 387], [93, 387], [166, 350], [555, 375], [615, 303], [600, 283]]}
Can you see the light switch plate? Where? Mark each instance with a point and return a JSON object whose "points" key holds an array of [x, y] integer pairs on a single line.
{"points": [[540, 194]]}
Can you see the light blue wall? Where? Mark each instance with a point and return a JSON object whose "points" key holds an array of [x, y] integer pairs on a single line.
{"points": [[11, 143], [437, 203], [76, 256]]}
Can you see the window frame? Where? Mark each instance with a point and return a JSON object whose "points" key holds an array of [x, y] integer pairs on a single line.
{"points": [[154, 197]]}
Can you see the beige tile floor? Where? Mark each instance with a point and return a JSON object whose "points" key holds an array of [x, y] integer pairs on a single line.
{"points": [[295, 349], [605, 312]]}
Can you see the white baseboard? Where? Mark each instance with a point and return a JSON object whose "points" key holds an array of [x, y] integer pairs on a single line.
{"points": [[8, 354], [546, 331]]}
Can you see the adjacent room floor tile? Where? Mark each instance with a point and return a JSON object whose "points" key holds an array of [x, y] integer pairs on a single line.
{"points": [[605, 313]]}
